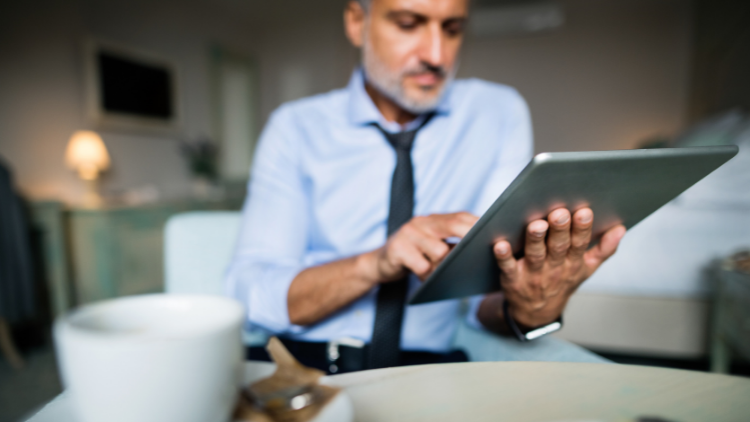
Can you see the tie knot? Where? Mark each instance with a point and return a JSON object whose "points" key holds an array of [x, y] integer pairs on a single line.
{"points": [[401, 141]]}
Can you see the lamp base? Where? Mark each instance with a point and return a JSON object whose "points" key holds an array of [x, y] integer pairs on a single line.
{"points": [[91, 198]]}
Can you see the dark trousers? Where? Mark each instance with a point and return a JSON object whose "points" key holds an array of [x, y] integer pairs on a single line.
{"points": [[313, 354]]}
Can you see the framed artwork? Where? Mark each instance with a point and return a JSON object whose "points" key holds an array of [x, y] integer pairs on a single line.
{"points": [[130, 89]]}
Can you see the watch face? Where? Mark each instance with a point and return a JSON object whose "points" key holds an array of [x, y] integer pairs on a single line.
{"points": [[541, 331]]}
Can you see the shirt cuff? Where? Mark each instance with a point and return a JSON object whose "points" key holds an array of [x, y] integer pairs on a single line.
{"points": [[471, 315], [263, 288]]}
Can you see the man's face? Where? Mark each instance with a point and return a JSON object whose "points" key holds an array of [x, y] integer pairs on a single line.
{"points": [[409, 47]]}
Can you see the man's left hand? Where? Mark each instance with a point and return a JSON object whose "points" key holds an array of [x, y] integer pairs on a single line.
{"points": [[556, 261]]}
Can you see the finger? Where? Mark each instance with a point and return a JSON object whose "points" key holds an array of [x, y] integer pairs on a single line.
{"points": [[607, 246], [432, 247], [535, 249], [580, 236], [444, 226], [413, 259], [457, 224], [558, 240], [505, 261]]}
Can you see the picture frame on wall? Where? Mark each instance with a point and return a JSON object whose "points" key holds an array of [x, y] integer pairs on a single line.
{"points": [[128, 89]]}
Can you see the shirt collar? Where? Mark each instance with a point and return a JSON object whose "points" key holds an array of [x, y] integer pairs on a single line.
{"points": [[362, 111]]}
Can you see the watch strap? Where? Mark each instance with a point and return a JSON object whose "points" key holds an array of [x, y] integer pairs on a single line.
{"points": [[533, 333]]}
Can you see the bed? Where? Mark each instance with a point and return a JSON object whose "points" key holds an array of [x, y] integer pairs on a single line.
{"points": [[654, 296]]}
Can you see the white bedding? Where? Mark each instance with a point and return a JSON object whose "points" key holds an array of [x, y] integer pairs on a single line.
{"points": [[668, 253]]}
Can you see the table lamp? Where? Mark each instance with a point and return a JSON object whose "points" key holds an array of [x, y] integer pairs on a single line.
{"points": [[87, 154]]}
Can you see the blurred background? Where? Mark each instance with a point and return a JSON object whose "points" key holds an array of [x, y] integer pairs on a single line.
{"points": [[116, 115]]}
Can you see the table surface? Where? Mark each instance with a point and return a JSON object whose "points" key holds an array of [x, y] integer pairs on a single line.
{"points": [[522, 391]]}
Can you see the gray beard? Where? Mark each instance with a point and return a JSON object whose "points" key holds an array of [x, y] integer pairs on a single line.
{"points": [[390, 85]]}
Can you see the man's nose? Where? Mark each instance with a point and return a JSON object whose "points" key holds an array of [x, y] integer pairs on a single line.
{"points": [[432, 46]]}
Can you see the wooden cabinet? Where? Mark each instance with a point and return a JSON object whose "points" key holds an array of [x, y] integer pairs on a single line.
{"points": [[117, 252], [95, 254]]}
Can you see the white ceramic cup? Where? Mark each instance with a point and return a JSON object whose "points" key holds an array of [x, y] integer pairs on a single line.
{"points": [[152, 358]]}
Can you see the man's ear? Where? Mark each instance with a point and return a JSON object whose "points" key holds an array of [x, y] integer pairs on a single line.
{"points": [[354, 23]]}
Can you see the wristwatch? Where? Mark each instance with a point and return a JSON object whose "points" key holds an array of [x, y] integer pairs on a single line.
{"points": [[533, 333]]}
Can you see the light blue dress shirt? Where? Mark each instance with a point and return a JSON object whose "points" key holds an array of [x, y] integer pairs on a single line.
{"points": [[320, 187]]}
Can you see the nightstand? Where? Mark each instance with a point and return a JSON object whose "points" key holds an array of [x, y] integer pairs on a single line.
{"points": [[731, 325], [100, 253]]}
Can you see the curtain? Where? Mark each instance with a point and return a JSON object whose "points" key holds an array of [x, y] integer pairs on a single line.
{"points": [[16, 278]]}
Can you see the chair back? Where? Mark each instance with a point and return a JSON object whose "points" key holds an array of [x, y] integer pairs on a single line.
{"points": [[197, 249]]}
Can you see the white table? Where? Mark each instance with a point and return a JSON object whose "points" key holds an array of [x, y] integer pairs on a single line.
{"points": [[522, 391]]}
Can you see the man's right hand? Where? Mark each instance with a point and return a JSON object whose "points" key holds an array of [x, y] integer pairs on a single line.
{"points": [[419, 246]]}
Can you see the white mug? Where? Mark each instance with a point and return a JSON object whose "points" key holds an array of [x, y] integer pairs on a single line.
{"points": [[152, 358]]}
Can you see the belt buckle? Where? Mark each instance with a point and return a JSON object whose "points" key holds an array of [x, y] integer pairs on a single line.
{"points": [[332, 350]]}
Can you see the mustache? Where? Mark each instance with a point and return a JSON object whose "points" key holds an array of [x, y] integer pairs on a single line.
{"points": [[423, 68]]}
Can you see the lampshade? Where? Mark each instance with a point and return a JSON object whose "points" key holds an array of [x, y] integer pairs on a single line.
{"points": [[87, 154]]}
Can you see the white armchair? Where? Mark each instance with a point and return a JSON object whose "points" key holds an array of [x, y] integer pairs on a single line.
{"points": [[198, 248]]}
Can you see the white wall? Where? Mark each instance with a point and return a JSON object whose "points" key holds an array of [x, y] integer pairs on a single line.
{"points": [[39, 92], [307, 54], [616, 73], [41, 81]]}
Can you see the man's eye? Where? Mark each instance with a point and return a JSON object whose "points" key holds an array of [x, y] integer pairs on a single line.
{"points": [[454, 28], [407, 23]]}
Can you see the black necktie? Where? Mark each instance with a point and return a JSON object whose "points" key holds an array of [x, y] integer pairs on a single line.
{"points": [[385, 348]]}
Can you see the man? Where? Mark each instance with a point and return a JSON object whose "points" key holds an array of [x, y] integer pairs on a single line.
{"points": [[329, 250]]}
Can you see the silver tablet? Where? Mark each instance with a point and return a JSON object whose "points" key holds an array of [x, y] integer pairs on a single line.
{"points": [[621, 187]]}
